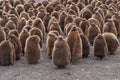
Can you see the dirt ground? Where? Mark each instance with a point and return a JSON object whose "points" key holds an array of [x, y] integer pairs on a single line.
{"points": [[85, 69]]}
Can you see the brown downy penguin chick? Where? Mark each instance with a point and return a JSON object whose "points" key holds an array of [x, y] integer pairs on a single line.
{"points": [[33, 17], [55, 26], [51, 21], [61, 53], [90, 7], [68, 19], [101, 12], [49, 9], [6, 30], [94, 21], [93, 31], [27, 6], [77, 21], [118, 4], [80, 5], [116, 20], [37, 31], [24, 15], [31, 13], [29, 22], [79, 30], [4, 20], [20, 9], [86, 13], [51, 38], [72, 12], [10, 25], [46, 19], [16, 3], [117, 25], [85, 46], [98, 3], [7, 53], [2, 35], [14, 18], [11, 2], [41, 14], [41, 8], [13, 11], [63, 1], [104, 8], [116, 16], [69, 3], [32, 49], [87, 2], [23, 37], [55, 32], [33, 3], [93, 2], [112, 42], [17, 45], [15, 32], [35, 11], [75, 44], [37, 5], [56, 14], [22, 1], [62, 18], [21, 24], [84, 25], [6, 6], [27, 27], [99, 17], [109, 26], [115, 1], [83, 1], [100, 46], [45, 2], [69, 26], [75, 8], [55, 3], [39, 24], [109, 14], [107, 2]]}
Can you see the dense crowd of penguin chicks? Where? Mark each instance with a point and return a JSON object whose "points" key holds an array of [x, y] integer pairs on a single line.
{"points": [[71, 26]]}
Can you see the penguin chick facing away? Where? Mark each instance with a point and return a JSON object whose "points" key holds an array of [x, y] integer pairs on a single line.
{"points": [[32, 49], [7, 53], [112, 42], [50, 43], [86, 45]]}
